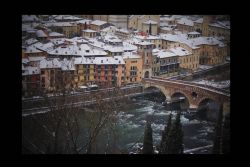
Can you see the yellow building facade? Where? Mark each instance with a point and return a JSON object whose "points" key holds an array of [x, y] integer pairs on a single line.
{"points": [[133, 66]]}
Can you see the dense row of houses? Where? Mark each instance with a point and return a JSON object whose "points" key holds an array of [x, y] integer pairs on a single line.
{"points": [[71, 52]]}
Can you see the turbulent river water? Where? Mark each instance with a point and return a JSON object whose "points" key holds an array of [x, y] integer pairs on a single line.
{"points": [[197, 132], [131, 121]]}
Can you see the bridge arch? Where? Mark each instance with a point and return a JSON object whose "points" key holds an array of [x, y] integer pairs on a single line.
{"points": [[182, 104], [161, 88], [205, 99], [208, 108]]}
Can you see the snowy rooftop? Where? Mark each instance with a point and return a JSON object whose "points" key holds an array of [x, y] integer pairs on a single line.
{"points": [[84, 60], [98, 22], [27, 27], [164, 54], [60, 24], [32, 49], [84, 21], [123, 30], [43, 47], [185, 22], [100, 60], [150, 22], [156, 50], [167, 28], [67, 64], [55, 34], [66, 17], [205, 41], [194, 33], [31, 58], [111, 38], [171, 37], [30, 41], [180, 51], [25, 60], [58, 41], [29, 18], [220, 25], [149, 37], [109, 60], [76, 40], [200, 20], [114, 48], [40, 33], [30, 70], [108, 29], [130, 55], [194, 42], [166, 19], [81, 50], [143, 43], [54, 63], [88, 30], [103, 46], [129, 47]]}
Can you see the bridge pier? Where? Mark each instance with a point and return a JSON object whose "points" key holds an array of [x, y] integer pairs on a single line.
{"points": [[226, 108]]}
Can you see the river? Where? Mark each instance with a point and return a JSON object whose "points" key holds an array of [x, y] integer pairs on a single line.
{"points": [[198, 131]]}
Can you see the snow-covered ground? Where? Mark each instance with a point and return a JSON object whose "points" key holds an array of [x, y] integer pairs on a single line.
{"points": [[221, 84]]}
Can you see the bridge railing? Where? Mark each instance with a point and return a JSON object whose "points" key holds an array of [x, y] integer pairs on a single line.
{"points": [[188, 82]]}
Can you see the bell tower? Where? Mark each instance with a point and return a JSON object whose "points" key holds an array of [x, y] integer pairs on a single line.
{"points": [[145, 50]]}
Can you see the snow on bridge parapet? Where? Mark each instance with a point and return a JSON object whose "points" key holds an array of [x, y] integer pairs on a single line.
{"points": [[187, 84]]}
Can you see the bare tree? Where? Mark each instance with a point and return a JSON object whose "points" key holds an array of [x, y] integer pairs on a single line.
{"points": [[61, 123]]}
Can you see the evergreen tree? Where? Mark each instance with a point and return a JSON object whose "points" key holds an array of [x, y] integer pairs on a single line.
{"points": [[174, 140], [165, 134], [148, 139], [226, 135], [218, 132]]}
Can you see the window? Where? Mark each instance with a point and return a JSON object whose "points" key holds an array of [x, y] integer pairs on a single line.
{"points": [[106, 78], [42, 72]]}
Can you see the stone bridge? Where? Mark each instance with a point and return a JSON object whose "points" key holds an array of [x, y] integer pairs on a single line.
{"points": [[195, 93]]}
